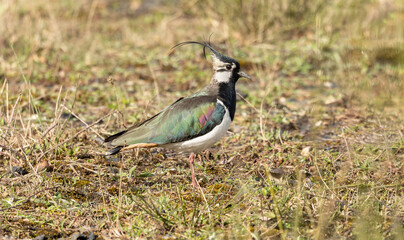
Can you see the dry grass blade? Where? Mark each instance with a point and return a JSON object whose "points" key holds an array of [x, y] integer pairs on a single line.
{"points": [[323, 115], [150, 208], [26, 200], [75, 135]]}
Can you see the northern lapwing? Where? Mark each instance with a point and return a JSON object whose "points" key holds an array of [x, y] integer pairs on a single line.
{"points": [[191, 124]]}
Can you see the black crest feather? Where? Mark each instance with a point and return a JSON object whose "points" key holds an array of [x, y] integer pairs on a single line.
{"points": [[204, 44]]}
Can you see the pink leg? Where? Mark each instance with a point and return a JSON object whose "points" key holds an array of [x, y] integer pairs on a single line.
{"points": [[191, 165]]}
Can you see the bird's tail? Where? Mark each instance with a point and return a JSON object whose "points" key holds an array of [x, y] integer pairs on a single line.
{"points": [[108, 141], [114, 151]]}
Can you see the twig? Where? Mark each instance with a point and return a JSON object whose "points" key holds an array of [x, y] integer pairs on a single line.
{"points": [[322, 179], [75, 135], [380, 154], [28, 162], [9, 118], [101, 189], [81, 120], [81, 165], [48, 130], [251, 105]]}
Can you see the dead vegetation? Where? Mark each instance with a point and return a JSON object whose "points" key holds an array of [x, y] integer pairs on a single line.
{"points": [[316, 149]]}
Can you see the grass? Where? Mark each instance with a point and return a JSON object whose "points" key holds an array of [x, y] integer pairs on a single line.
{"points": [[316, 149]]}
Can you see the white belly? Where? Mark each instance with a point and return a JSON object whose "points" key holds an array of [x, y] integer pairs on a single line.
{"points": [[202, 142]]}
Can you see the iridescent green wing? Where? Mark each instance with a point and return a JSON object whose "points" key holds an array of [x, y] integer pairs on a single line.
{"points": [[186, 119]]}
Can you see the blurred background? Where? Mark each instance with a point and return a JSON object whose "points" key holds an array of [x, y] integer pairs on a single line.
{"points": [[328, 83], [355, 45], [54, 42]]}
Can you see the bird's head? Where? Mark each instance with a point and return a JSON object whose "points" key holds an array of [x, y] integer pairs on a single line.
{"points": [[226, 69]]}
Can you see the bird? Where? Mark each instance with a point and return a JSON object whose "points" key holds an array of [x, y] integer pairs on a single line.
{"points": [[193, 123]]}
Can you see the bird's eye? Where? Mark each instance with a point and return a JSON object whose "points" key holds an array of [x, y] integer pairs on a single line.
{"points": [[228, 67]]}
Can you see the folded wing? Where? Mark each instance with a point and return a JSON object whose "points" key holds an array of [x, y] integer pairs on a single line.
{"points": [[185, 119]]}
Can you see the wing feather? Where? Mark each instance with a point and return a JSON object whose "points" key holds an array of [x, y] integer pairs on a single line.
{"points": [[183, 120]]}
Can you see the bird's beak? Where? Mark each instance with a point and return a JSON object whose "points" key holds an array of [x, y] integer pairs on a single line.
{"points": [[243, 74]]}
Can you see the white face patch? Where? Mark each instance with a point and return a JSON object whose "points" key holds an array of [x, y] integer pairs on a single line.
{"points": [[222, 77], [222, 71]]}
